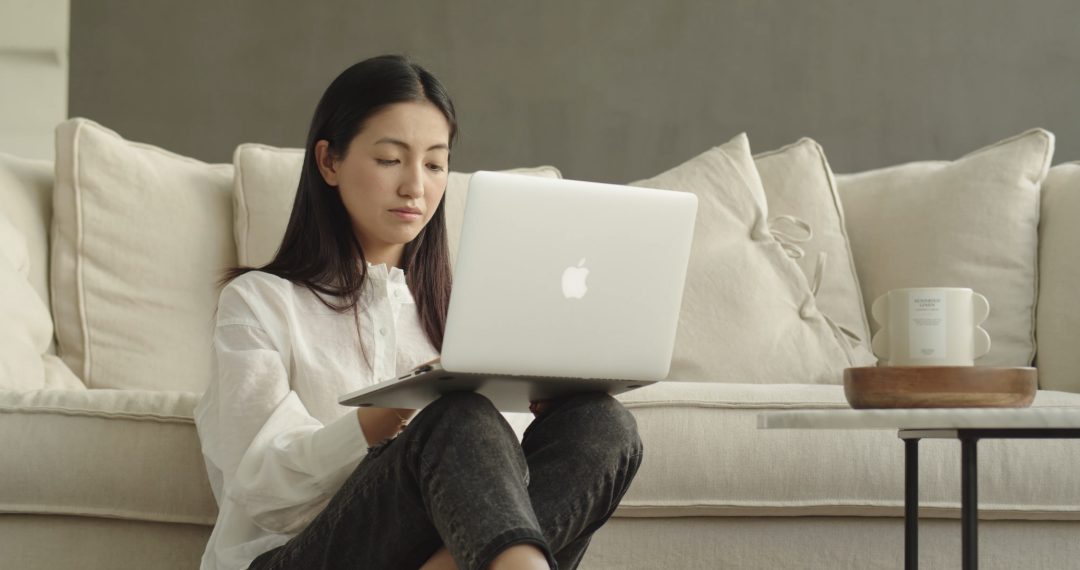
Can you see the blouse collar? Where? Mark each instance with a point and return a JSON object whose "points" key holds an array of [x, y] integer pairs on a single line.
{"points": [[394, 278]]}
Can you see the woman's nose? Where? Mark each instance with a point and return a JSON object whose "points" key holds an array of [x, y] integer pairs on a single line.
{"points": [[413, 184]]}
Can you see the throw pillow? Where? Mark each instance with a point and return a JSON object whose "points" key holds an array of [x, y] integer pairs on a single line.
{"points": [[972, 222], [748, 314], [25, 328], [26, 188], [800, 189], [266, 182], [140, 236], [1058, 321]]}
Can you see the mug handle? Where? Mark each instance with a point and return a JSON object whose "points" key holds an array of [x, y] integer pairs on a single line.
{"points": [[980, 308], [880, 342], [980, 343], [880, 309]]}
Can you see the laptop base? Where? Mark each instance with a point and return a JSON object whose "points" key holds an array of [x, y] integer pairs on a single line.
{"points": [[508, 393]]}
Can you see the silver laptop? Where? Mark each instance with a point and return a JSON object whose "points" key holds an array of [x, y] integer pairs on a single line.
{"points": [[560, 286]]}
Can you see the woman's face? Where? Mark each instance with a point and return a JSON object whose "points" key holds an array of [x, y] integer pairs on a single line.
{"points": [[392, 176]]}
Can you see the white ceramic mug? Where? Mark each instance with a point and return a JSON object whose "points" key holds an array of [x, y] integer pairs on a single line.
{"points": [[930, 326]]}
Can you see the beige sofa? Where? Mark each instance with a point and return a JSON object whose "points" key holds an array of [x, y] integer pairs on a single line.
{"points": [[103, 469]]}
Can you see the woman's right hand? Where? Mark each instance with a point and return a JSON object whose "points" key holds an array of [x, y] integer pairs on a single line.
{"points": [[379, 424]]}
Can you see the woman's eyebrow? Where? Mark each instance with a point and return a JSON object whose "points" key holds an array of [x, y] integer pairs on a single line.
{"points": [[405, 145]]}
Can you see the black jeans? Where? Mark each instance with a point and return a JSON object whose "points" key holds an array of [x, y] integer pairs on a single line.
{"points": [[457, 476]]}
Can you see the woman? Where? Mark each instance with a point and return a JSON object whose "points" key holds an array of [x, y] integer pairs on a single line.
{"points": [[358, 292]]}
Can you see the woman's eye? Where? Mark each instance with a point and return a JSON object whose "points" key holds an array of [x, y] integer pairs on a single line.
{"points": [[386, 162], [436, 167]]}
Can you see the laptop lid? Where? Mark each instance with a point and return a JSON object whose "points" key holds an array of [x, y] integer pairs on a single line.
{"points": [[566, 278]]}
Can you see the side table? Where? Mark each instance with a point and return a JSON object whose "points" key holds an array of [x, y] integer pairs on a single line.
{"points": [[968, 425]]}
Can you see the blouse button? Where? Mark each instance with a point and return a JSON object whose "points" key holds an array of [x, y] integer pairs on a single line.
{"points": [[382, 331]]}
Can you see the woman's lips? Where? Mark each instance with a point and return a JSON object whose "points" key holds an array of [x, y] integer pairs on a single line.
{"points": [[406, 215]]}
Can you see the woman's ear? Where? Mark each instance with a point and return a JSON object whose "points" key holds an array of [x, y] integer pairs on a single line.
{"points": [[325, 161]]}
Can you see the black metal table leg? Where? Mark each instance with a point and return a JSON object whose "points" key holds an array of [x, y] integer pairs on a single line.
{"points": [[969, 483], [969, 502], [911, 504]]}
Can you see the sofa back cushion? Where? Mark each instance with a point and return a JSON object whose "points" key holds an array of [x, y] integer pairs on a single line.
{"points": [[25, 328], [800, 188], [140, 236], [26, 188], [1058, 322], [264, 189], [266, 183], [748, 314], [972, 222]]}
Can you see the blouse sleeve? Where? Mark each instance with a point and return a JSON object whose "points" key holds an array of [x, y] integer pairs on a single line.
{"points": [[278, 462]]}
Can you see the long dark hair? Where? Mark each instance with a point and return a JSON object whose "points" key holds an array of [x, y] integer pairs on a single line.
{"points": [[320, 250]]}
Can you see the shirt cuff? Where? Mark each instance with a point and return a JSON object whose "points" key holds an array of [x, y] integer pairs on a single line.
{"points": [[340, 445]]}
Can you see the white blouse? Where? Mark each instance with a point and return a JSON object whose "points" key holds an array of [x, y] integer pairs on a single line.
{"points": [[277, 445]]}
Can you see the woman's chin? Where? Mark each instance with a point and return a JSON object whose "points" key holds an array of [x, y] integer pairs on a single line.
{"points": [[401, 237]]}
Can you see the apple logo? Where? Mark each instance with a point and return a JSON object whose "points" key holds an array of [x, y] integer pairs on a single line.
{"points": [[573, 281]]}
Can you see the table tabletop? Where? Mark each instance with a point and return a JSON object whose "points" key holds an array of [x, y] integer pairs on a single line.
{"points": [[923, 418]]}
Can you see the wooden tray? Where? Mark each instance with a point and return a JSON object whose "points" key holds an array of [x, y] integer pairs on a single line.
{"points": [[940, 387]]}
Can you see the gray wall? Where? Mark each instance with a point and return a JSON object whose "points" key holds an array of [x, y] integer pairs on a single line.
{"points": [[605, 90]]}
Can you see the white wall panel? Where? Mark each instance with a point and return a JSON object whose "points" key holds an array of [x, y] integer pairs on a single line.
{"points": [[33, 74]]}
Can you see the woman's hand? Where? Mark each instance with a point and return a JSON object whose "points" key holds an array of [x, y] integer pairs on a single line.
{"points": [[382, 423], [538, 407]]}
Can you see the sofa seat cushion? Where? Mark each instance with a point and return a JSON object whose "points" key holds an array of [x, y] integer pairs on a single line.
{"points": [[135, 455], [705, 456], [106, 453]]}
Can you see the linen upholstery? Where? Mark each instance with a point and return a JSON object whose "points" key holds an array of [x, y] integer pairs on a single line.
{"points": [[972, 222], [763, 543], [57, 374], [746, 471], [26, 188], [47, 542], [27, 344], [1058, 320], [129, 454], [151, 468], [266, 183], [747, 311], [140, 236], [863, 543], [155, 470], [798, 182], [264, 188], [25, 328]]}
